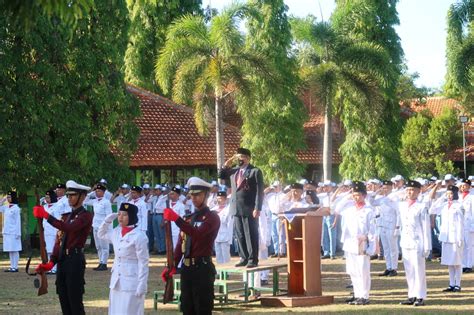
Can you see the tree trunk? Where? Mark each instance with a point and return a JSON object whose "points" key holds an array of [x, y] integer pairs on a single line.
{"points": [[327, 145], [220, 153]]}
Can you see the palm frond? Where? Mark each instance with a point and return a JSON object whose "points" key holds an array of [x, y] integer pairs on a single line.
{"points": [[187, 71]]}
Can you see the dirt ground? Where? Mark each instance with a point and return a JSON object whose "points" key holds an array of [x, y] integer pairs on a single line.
{"points": [[18, 296]]}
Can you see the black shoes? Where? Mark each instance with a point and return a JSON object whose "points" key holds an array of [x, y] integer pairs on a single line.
{"points": [[393, 273], [408, 301], [251, 265], [419, 302], [241, 263], [101, 267], [360, 301], [466, 270], [325, 257], [449, 289], [453, 288], [349, 286], [263, 282], [385, 273], [351, 299], [11, 270]]}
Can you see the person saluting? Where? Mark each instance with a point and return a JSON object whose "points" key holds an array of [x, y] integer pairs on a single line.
{"points": [[68, 252]]}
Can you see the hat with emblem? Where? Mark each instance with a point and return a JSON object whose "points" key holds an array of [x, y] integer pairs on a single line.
{"points": [[52, 196], [197, 185], [413, 184], [136, 188], [455, 191], [221, 193], [103, 181], [176, 189], [296, 186], [12, 194], [101, 187], [157, 186], [125, 186], [387, 183], [466, 181], [359, 187], [61, 185], [132, 211], [146, 186], [449, 177], [73, 188]]}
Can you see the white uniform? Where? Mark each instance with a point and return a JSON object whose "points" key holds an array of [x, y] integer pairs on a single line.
{"points": [[468, 205], [142, 213], [12, 232], [212, 200], [50, 231], [278, 232], [451, 236], [224, 236], [63, 205], [128, 283], [179, 208], [102, 208], [388, 220], [121, 198], [358, 238], [415, 241]]}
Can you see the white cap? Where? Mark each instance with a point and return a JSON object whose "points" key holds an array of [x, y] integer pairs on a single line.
{"points": [[434, 178], [197, 185], [125, 186], [374, 181], [158, 186], [275, 184], [146, 186], [72, 187], [422, 181], [103, 181], [449, 177], [327, 182], [347, 182], [470, 177], [303, 181], [397, 178]]}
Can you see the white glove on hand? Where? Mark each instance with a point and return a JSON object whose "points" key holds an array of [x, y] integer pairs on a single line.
{"points": [[426, 253], [459, 244], [396, 232], [110, 218], [139, 293]]}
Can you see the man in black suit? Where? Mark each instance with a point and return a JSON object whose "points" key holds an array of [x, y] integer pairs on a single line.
{"points": [[246, 201]]}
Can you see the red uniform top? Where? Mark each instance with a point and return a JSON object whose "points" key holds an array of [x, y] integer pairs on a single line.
{"points": [[76, 228], [202, 233]]}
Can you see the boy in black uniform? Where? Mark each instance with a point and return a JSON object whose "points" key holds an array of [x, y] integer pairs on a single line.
{"points": [[68, 252], [194, 251]]}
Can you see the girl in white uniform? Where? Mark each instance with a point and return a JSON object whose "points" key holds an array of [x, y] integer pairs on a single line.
{"points": [[451, 235], [467, 200], [11, 229], [50, 232], [224, 236], [128, 284]]}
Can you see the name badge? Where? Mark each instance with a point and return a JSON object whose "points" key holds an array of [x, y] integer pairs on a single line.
{"points": [[197, 224]]}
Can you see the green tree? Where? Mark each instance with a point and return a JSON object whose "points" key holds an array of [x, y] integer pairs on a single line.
{"points": [[426, 142], [149, 21], [373, 136], [203, 64], [460, 53], [343, 75], [64, 107], [273, 123]]}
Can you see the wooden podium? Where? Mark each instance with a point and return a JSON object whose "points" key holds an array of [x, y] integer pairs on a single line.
{"points": [[304, 264]]}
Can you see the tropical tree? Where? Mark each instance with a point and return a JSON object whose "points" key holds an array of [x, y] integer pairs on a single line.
{"points": [[273, 123], [149, 21], [204, 64], [343, 75], [460, 53]]}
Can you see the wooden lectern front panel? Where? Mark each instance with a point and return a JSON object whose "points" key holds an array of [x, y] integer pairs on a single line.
{"points": [[295, 256]]}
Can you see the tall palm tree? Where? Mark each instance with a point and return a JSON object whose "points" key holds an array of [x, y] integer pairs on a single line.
{"points": [[460, 53], [204, 63], [342, 75]]}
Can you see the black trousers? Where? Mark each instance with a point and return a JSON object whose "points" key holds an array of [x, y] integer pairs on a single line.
{"points": [[70, 283], [246, 231], [197, 289]]}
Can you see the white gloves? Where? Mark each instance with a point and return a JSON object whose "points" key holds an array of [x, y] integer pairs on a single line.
{"points": [[139, 293], [426, 253], [459, 244], [396, 232], [110, 218]]}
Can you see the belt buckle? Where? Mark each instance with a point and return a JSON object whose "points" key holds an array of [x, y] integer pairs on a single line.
{"points": [[187, 262], [67, 251]]}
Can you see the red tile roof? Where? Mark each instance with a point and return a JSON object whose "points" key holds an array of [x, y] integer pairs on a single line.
{"points": [[169, 137]]}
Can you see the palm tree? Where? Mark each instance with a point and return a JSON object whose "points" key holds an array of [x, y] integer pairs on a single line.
{"points": [[460, 53], [203, 64], [340, 74]]}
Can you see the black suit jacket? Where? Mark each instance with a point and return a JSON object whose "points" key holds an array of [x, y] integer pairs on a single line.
{"points": [[249, 195]]}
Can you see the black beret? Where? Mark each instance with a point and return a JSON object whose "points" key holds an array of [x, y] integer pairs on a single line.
{"points": [[101, 187], [244, 151], [176, 189], [453, 188], [359, 187], [60, 185], [466, 181], [413, 183], [296, 186], [387, 182], [222, 193], [136, 188], [132, 211], [11, 193]]}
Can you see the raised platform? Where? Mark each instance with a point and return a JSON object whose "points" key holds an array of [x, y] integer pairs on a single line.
{"points": [[296, 301]]}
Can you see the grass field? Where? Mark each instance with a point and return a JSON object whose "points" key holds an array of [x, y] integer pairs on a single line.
{"points": [[18, 296]]}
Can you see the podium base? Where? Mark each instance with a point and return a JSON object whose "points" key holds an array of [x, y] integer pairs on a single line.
{"points": [[296, 300]]}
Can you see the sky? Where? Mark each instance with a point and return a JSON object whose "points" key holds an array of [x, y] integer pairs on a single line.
{"points": [[422, 31]]}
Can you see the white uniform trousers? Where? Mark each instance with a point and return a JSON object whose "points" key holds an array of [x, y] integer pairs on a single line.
{"points": [[125, 303], [390, 248], [467, 257], [415, 272], [222, 252], [102, 247], [14, 258], [358, 268]]}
